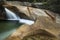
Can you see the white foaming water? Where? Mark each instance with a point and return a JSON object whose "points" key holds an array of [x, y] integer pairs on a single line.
{"points": [[12, 16]]}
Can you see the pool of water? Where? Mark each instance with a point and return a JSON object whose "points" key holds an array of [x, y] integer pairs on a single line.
{"points": [[7, 28]]}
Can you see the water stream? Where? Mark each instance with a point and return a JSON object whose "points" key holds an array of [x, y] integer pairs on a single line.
{"points": [[8, 27], [12, 16]]}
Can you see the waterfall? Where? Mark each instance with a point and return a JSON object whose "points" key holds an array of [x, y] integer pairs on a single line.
{"points": [[12, 16]]}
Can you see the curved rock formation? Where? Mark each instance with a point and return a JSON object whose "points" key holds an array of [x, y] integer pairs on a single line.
{"points": [[42, 29]]}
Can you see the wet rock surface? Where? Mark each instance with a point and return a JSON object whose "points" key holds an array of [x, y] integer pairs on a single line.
{"points": [[43, 29]]}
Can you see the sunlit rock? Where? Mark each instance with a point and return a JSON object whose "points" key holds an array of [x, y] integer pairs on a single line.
{"points": [[42, 29]]}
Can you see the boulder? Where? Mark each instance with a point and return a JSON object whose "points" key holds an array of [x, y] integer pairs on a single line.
{"points": [[42, 29]]}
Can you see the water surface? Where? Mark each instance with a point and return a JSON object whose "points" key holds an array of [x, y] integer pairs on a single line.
{"points": [[7, 28]]}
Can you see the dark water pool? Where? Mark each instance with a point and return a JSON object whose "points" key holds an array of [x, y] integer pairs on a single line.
{"points": [[8, 27]]}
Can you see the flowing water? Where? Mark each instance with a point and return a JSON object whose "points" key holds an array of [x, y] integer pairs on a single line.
{"points": [[12, 16], [10, 25]]}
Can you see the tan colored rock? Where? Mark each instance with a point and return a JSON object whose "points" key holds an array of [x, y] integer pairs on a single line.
{"points": [[43, 27], [30, 12]]}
